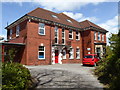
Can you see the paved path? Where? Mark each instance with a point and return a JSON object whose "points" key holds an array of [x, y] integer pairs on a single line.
{"points": [[65, 76]]}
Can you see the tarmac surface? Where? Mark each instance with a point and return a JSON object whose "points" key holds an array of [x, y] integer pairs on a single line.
{"points": [[65, 76]]}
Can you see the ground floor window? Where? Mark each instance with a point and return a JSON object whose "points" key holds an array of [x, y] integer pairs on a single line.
{"points": [[77, 53], [64, 54], [71, 53], [41, 52]]}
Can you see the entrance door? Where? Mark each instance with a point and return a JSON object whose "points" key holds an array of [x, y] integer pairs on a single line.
{"points": [[56, 56]]}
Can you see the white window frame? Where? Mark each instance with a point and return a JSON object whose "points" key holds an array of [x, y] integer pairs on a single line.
{"points": [[39, 28], [102, 37], [78, 53], [41, 51], [10, 34], [64, 57], [64, 36], [57, 34], [95, 35], [78, 35], [99, 38], [17, 30], [72, 53], [71, 34]]}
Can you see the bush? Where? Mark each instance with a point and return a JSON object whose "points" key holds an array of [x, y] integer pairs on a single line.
{"points": [[108, 70], [15, 77]]}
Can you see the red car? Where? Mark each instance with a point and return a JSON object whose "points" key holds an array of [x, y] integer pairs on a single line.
{"points": [[90, 59]]}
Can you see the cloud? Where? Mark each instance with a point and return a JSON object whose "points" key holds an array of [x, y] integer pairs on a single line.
{"points": [[61, 5], [80, 17], [110, 25]]}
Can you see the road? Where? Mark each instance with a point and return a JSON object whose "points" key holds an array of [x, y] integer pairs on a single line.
{"points": [[65, 76]]}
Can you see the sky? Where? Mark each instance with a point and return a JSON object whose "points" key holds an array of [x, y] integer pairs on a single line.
{"points": [[103, 12]]}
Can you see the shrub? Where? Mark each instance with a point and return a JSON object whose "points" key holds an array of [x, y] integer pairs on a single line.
{"points": [[15, 77], [108, 70]]}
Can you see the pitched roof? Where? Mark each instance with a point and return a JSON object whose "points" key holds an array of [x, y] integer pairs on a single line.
{"points": [[62, 18], [87, 24]]}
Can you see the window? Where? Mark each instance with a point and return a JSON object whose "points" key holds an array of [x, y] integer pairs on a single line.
{"points": [[88, 56], [69, 20], [103, 37], [41, 52], [54, 16], [64, 54], [99, 36], [63, 36], [11, 34], [41, 29], [56, 35], [95, 36], [77, 53], [17, 30], [77, 35], [71, 53], [70, 34]]}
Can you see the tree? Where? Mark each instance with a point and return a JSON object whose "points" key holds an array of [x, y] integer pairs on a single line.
{"points": [[108, 70]]}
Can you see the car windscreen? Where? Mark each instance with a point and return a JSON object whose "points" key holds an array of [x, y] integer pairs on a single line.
{"points": [[88, 56]]}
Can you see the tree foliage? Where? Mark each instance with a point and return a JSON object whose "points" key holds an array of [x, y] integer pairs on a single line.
{"points": [[108, 69], [15, 77]]}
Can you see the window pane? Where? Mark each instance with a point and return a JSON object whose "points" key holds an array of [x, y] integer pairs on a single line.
{"points": [[77, 37], [41, 48], [70, 36], [41, 54], [41, 31], [63, 41], [56, 41], [62, 34]]}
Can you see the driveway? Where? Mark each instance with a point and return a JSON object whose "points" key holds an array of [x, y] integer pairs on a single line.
{"points": [[65, 76]]}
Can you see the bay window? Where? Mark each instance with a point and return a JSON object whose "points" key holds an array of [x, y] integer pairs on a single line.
{"points": [[77, 35]]}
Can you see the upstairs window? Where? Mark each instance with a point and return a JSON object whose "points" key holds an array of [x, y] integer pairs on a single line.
{"points": [[41, 29], [99, 36], [41, 52], [63, 36], [95, 36], [70, 34], [56, 35], [17, 30], [71, 53], [77, 35], [77, 53], [102, 37], [11, 34]]}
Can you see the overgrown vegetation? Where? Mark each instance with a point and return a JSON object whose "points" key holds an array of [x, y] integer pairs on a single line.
{"points": [[15, 77], [108, 69]]}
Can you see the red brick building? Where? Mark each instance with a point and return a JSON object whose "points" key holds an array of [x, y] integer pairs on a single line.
{"points": [[44, 37]]}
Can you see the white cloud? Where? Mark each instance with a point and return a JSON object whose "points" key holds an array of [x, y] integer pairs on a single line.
{"points": [[80, 17], [110, 25], [61, 5]]}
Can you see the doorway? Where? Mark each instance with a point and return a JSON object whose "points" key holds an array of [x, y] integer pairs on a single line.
{"points": [[56, 56]]}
